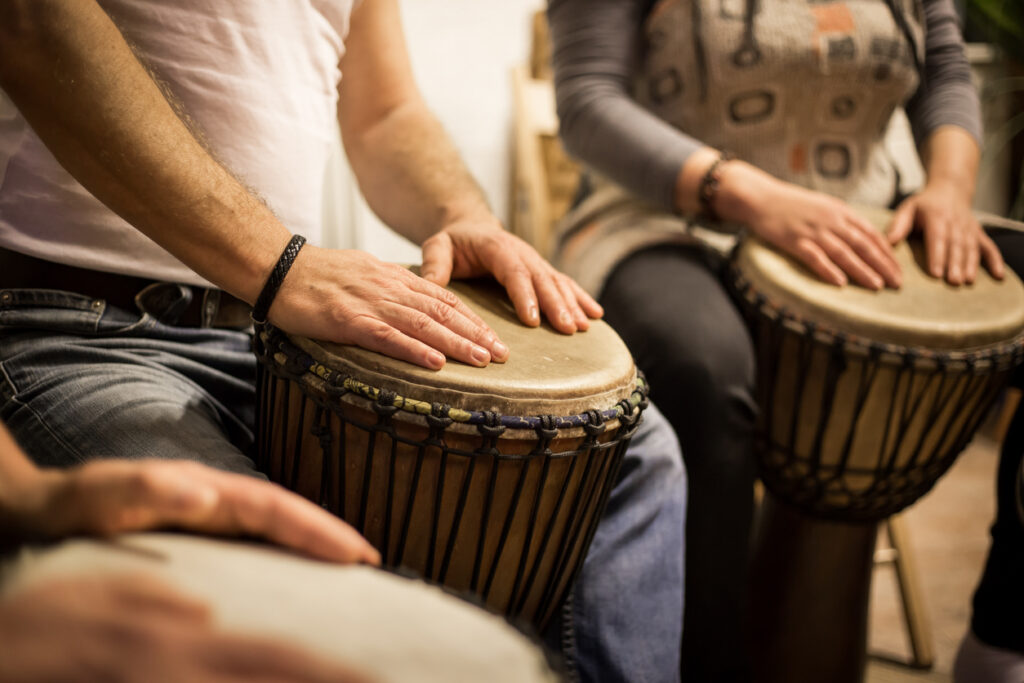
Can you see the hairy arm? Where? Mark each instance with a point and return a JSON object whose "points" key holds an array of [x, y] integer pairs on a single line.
{"points": [[79, 85], [413, 178]]}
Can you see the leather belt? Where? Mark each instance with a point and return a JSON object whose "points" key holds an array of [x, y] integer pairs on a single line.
{"points": [[171, 303]]}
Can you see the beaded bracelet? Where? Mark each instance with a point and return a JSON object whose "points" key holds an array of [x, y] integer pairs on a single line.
{"points": [[276, 277], [709, 184]]}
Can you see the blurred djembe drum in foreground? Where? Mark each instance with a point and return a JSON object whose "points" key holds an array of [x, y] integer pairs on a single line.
{"points": [[866, 399], [490, 481]]}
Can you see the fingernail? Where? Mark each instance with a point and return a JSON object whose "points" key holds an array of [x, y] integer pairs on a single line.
{"points": [[566, 319], [480, 355], [500, 350], [435, 359], [531, 313]]}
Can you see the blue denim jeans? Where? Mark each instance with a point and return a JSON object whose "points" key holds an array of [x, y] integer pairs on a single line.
{"points": [[82, 380]]}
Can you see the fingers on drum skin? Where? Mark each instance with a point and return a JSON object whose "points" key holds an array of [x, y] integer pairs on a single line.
{"points": [[245, 658], [843, 256], [971, 255], [955, 256], [936, 247], [438, 258], [376, 335], [993, 258], [812, 255], [448, 309], [877, 257], [569, 297], [902, 221], [590, 306], [551, 302], [518, 282]]}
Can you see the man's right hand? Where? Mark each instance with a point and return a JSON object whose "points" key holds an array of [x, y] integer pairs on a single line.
{"points": [[133, 628], [351, 297]]}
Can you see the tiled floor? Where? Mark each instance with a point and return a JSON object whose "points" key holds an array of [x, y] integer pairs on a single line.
{"points": [[948, 532]]}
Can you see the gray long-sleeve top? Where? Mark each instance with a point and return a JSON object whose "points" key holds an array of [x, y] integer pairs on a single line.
{"points": [[598, 48]]}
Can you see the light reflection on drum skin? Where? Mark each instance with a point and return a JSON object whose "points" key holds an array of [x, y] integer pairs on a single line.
{"points": [[389, 627]]}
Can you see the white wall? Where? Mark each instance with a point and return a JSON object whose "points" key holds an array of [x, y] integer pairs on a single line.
{"points": [[462, 53]]}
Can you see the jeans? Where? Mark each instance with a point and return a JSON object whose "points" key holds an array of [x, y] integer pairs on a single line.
{"points": [[81, 380]]}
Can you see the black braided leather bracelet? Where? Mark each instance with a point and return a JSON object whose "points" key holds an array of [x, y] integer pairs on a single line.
{"points": [[708, 189], [276, 277]]}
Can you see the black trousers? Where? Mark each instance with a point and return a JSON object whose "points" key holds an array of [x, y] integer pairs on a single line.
{"points": [[998, 617]]}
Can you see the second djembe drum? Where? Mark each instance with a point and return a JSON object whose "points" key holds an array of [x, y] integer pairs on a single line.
{"points": [[487, 480], [866, 399]]}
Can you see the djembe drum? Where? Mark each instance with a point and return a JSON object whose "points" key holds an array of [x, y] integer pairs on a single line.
{"points": [[866, 398], [386, 627], [487, 480]]}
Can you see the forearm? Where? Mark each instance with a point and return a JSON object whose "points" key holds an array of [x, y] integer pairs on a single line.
{"points": [[76, 81], [950, 156], [411, 174]]}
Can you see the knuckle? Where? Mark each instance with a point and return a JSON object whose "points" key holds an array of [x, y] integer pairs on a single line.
{"points": [[442, 312]]}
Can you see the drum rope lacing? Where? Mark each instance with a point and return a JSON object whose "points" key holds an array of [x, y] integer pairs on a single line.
{"points": [[269, 342], [929, 387]]}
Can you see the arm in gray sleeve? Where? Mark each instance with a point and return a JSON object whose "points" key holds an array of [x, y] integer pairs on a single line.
{"points": [[946, 95], [596, 48]]}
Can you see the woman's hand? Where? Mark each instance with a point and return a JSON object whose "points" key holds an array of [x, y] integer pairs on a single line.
{"points": [[953, 238], [819, 230]]}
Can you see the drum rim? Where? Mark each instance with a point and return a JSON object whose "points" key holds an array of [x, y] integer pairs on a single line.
{"points": [[742, 287], [270, 342]]}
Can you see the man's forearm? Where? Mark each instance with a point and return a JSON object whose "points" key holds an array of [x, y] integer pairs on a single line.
{"points": [[78, 84], [411, 174], [950, 157]]}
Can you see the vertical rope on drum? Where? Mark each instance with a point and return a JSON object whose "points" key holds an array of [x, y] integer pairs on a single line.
{"points": [[456, 526], [865, 383], [545, 433], [911, 405], [593, 429], [890, 416], [506, 528], [321, 429], [435, 514], [548, 532], [773, 349], [805, 350], [836, 367], [342, 460], [948, 385], [389, 502], [491, 430], [577, 515], [438, 421], [283, 453], [385, 407], [296, 460]]}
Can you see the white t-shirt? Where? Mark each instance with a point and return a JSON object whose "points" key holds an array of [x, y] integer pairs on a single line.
{"points": [[259, 78]]}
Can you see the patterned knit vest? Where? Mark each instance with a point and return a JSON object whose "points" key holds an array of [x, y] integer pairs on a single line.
{"points": [[803, 89]]}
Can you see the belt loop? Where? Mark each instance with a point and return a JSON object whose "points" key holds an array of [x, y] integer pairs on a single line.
{"points": [[211, 304]]}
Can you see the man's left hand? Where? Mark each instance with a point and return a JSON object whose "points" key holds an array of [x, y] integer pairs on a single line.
{"points": [[954, 240], [473, 248]]}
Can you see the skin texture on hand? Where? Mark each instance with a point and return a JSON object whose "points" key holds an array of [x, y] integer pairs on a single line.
{"points": [[954, 240], [471, 248], [133, 628], [107, 497], [821, 231]]}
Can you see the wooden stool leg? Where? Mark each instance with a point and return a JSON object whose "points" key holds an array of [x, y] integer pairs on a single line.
{"points": [[916, 616]]}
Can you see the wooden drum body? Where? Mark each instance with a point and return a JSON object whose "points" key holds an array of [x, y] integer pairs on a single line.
{"points": [[866, 399], [486, 480]]}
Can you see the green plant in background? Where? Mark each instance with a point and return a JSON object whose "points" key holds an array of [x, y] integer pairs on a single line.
{"points": [[1001, 22]]}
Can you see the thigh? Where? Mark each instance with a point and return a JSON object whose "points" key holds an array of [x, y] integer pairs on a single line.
{"points": [[122, 385]]}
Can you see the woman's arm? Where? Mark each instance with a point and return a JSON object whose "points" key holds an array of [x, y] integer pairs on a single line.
{"points": [[945, 115], [596, 50]]}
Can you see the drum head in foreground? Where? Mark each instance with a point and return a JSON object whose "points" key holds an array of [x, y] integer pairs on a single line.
{"points": [[924, 312], [547, 373], [388, 627]]}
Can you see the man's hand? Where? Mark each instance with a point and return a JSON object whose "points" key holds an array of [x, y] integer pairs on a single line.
{"points": [[134, 628], [822, 232], [954, 240], [112, 496], [472, 248], [351, 297]]}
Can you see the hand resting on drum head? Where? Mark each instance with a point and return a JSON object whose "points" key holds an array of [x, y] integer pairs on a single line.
{"points": [[107, 497]]}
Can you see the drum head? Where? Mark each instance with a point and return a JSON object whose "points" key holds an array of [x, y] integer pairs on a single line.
{"points": [[388, 627], [924, 312], [547, 373]]}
